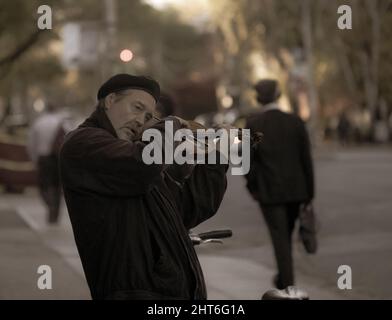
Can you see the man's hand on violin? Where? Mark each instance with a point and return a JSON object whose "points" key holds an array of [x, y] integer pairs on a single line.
{"points": [[224, 126], [227, 127], [184, 123]]}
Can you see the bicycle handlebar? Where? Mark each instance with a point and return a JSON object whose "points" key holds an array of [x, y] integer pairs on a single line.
{"points": [[216, 234], [210, 236]]}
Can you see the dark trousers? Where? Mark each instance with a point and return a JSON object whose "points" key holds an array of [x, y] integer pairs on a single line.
{"points": [[49, 185], [281, 220]]}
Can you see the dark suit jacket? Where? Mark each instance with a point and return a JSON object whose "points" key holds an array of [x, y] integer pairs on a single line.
{"points": [[281, 167]]}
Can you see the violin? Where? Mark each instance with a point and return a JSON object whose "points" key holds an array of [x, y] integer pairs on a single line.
{"points": [[255, 137]]}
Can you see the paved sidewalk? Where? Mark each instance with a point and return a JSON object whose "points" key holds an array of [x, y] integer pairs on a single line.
{"points": [[22, 251]]}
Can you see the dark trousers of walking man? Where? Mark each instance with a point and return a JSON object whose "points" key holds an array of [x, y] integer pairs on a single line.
{"points": [[281, 220], [49, 185]]}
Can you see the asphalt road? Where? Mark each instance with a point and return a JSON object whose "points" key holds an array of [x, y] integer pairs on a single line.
{"points": [[354, 209]]}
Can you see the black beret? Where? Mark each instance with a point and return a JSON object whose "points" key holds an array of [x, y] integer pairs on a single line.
{"points": [[125, 81]]}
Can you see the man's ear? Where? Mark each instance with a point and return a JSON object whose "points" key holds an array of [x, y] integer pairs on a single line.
{"points": [[109, 100]]}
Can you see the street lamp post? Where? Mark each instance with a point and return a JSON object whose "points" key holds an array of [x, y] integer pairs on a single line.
{"points": [[111, 36]]}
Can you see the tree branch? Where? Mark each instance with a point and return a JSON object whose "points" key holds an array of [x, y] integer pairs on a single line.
{"points": [[13, 56]]}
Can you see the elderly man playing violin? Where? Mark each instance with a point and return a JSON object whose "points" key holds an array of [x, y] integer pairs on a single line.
{"points": [[131, 219]]}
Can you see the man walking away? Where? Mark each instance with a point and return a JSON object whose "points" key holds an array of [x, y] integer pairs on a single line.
{"points": [[281, 174]]}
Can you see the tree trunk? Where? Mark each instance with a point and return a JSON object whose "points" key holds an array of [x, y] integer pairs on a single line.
{"points": [[307, 38], [373, 86], [111, 33]]}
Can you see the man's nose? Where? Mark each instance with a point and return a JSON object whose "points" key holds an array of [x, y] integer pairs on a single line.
{"points": [[139, 121]]}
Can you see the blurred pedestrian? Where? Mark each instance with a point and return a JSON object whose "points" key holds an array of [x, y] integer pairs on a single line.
{"points": [[281, 174], [390, 126], [45, 138], [344, 128]]}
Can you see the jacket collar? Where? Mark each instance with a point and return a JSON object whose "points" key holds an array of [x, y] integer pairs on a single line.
{"points": [[99, 119], [271, 106]]}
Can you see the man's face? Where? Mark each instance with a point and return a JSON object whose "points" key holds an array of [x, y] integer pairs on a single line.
{"points": [[129, 111]]}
